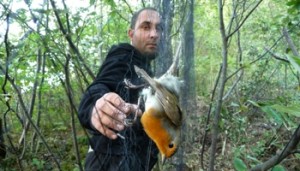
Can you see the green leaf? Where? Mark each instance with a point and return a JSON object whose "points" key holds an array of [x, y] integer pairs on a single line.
{"points": [[111, 3], [290, 3], [76, 169], [35, 161], [295, 61], [254, 103], [272, 114], [293, 110], [239, 165], [92, 2], [278, 168]]}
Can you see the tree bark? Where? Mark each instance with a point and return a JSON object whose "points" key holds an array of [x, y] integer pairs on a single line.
{"points": [[215, 127], [290, 42], [164, 60]]}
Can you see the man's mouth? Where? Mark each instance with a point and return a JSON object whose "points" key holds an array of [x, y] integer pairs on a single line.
{"points": [[152, 45]]}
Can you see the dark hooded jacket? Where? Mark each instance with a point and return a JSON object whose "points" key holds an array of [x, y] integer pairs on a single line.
{"points": [[118, 65]]}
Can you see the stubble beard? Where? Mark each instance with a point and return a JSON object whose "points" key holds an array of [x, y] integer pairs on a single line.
{"points": [[150, 55]]}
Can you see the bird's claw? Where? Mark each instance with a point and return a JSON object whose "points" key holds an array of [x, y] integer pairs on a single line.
{"points": [[129, 121], [128, 85]]}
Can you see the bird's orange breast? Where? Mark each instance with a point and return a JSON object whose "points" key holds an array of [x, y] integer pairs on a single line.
{"points": [[153, 126]]}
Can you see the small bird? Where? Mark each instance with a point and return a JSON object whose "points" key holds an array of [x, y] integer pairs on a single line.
{"points": [[162, 118]]}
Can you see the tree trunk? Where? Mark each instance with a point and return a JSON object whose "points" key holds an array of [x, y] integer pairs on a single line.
{"points": [[164, 59], [188, 95], [215, 127]]}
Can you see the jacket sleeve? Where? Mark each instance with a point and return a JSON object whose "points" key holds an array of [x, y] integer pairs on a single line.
{"points": [[109, 78]]}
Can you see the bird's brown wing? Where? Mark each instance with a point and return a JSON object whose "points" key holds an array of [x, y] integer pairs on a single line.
{"points": [[170, 104], [168, 100]]}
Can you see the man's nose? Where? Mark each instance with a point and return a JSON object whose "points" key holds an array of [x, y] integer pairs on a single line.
{"points": [[154, 33]]}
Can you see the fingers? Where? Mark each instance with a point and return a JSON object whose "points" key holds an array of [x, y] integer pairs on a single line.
{"points": [[110, 110], [132, 108], [119, 106], [100, 126], [109, 113], [115, 100]]}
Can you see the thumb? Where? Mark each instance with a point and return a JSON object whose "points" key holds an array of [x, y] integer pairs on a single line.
{"points": [[137, 110], [133, 108]]}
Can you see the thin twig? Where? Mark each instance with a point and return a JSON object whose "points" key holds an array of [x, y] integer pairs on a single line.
{"points": [[257, 59], [69, 92], [288, 149], [69, 39], [17, 90], [215, 126], [128, 6], [276, 56], [182, 21], [232, 87], [243, 21], [208, 118], [290, 42]]}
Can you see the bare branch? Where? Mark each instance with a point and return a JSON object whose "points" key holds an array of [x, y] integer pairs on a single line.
{"points": [[295, 151], [234, 15], [290, 41], [67, 17], [69, 92], [173, 70], [239, 58], [182, 21], [276, 56], [257, 59], [128, 6], [208, 118], [2, 145], [243, 21], [121, 16], [12, 149], [69, 39], [19, 94], [215, 126], [289, 149], [233, 86]]}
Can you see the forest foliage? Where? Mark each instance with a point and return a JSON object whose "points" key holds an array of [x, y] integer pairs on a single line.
{"points": [[239, 59]]}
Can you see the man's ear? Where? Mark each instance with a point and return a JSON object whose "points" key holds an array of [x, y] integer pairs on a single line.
{"points": [[130, 33]]}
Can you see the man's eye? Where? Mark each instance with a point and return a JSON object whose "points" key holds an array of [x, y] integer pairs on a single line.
{"points": [[146, 27]]}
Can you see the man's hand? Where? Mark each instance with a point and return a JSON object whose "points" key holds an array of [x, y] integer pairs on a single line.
{"points": [[109, 113]]}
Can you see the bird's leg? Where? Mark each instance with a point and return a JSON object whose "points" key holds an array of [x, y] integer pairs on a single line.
{"points": [[130, 122], [136, 112], [128, 85]]}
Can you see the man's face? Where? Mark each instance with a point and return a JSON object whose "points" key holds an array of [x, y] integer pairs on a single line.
{"points": [[146, 33]]}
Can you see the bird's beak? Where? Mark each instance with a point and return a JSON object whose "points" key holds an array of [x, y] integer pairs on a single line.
{"points": [[163, 159]]}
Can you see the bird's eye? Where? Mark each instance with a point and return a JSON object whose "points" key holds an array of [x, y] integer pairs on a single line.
{"points": [[171, 145]]}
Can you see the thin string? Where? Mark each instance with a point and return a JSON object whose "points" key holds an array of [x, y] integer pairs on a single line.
{"points": [[148, 155]]}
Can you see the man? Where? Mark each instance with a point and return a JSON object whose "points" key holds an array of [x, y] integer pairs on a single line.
{"points": [[107, 102]]}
